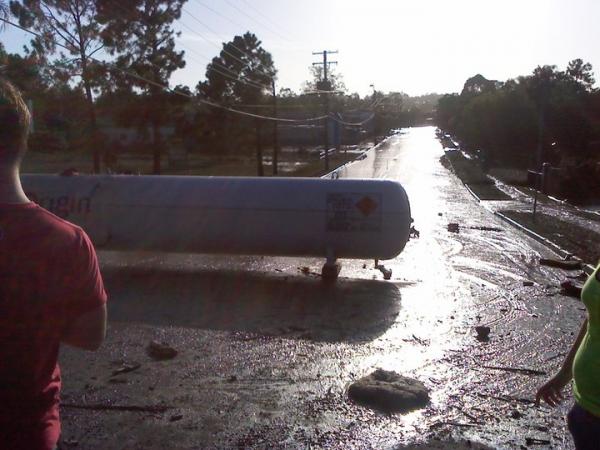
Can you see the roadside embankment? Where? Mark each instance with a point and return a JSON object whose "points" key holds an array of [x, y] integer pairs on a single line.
{"points": [[568, 230]]}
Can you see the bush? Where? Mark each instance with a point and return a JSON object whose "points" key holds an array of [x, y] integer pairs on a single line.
{"points": [[46, 142]]}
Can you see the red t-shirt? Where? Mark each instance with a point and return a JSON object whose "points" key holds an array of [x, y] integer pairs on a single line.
{"points": [[49, 276]]}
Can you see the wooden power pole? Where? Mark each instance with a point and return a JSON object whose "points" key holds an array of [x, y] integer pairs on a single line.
{"points": [[325, 64], [275, 131]]}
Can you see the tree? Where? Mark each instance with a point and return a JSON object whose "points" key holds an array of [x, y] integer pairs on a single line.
{"points": [[70, 25], [478, 84], [23, 71], [509, 119], [581, 73], [335, 81], [141, 34], [242, 74], [4, 12], [561, 97]]}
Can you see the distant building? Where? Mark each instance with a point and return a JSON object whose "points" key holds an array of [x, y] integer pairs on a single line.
{"points": [[130, 136]]}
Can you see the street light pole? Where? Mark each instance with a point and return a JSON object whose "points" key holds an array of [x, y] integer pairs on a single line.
{"points": [[374, 115], [540, 152]]}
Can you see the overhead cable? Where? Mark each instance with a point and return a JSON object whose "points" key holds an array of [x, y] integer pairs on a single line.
{"points": [[230, 44], [234, 75], [256, 10], [176, 92], [352, 124], [234, 6]]}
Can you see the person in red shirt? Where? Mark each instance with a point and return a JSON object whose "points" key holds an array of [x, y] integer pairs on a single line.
{"points": [[51, 293]]}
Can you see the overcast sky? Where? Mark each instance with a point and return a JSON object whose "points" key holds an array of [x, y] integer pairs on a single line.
{"points": [[416, 46]]}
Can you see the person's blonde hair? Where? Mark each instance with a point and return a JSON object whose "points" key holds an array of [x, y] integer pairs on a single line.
{"points": [[15, 120]]}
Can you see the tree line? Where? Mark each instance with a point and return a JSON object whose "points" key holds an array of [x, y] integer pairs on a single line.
{"points": [[550, 116], [94, 64]]}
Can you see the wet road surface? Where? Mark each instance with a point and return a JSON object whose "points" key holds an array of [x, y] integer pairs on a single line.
{"points": [[266, 352]]}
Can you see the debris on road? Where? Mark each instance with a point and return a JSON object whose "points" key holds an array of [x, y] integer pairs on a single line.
{"points": [[535, 441], [453, 227], [414, 233], [160, 351], [516, 370], [527, 283], [109, 407], [175, 417], [581, 276], [570, 289], [424, 342], [125, 368], [505, 398], [558, 355], [561, 264], [483, 333], [389, 392], [484, 228], [71, 442], [516, 414], [387, 273], [304, 270]]}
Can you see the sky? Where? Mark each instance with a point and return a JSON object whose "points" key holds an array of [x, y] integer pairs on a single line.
{"points": [[416, 46]]}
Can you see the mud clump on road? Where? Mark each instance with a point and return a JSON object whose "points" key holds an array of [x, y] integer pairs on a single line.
{"points": [[483, 333], [561, 264], [160, 351], [389, 392]]}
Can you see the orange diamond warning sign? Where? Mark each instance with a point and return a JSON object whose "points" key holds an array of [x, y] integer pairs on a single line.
{"points": [[353, 212], [366, 205]]}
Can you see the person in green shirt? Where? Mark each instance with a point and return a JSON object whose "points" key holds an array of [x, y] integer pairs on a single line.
{"points": [[582, 365]]}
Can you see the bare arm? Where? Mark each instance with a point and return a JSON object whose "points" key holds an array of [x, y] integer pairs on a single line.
{"points": [[84, 298], [88, 330], [567, 365], [551, 391]]}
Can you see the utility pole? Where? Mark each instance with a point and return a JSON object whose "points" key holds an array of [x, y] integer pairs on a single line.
{"points": [[325, 64], [259, 154], [374, 114], [275, 131]]}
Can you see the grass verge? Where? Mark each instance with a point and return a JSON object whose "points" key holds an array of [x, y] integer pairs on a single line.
{"points": [[573, 238]]}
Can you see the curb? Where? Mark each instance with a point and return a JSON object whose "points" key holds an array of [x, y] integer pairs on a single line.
{"points": [[334, 173], [587, 268]]}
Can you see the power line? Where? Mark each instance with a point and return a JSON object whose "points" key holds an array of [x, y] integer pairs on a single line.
{"points": [[176, 92], [352, 124], [221, 15], [221, 66], [210, 65], [217, 35], [256, 10], [269, 75], [233, 5]]}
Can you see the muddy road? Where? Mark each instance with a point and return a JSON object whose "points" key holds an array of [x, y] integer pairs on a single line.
{"points": [[266, 350]]}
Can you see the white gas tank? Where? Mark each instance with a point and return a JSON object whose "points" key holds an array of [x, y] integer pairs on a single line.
{"points": [[345, 218]]}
